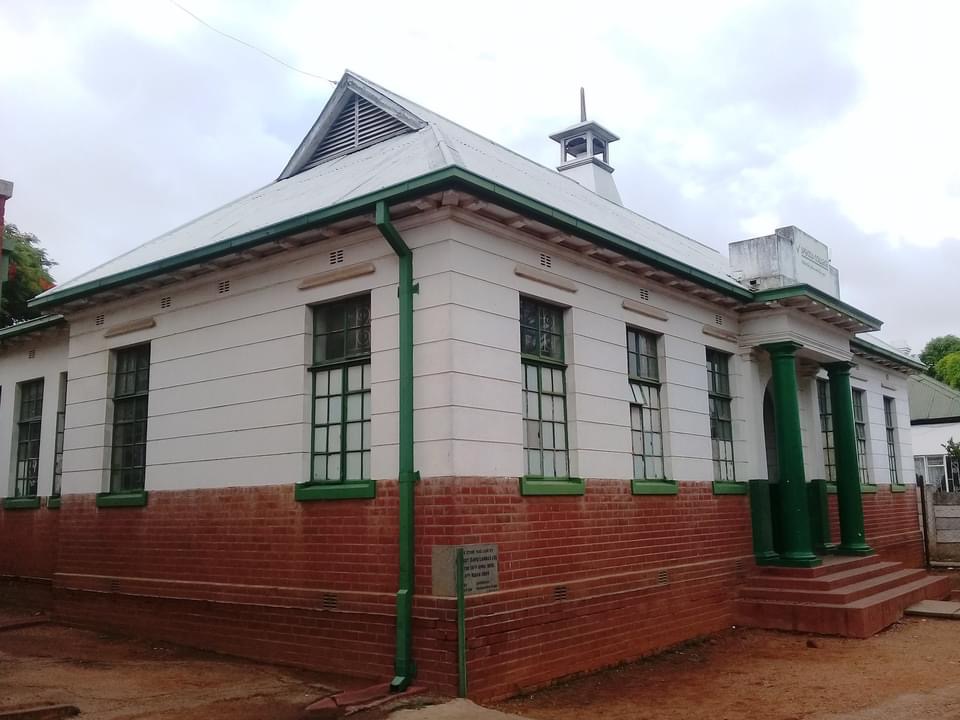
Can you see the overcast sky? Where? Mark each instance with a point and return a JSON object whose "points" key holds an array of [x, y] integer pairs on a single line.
{"points": [[124, 118]]}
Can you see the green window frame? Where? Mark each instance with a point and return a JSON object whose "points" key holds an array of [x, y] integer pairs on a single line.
{"points": [[58, 440], [826, 430], [890, 421], [545, 438], [128, 454], [29, 422], [643, 369], [340, 443], [721, 416], [860, 428]]}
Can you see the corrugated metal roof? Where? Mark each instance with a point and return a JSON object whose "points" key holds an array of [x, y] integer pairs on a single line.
{"points": [[439, 144], [930, 398]]}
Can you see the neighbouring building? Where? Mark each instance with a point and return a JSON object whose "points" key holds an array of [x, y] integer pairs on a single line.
{"points": [[935, 420], [268, 431]]}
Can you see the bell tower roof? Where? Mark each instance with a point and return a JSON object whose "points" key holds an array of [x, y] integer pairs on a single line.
{"points": [[585, 154]]}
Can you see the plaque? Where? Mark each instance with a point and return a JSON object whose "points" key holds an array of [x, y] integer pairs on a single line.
{"points": [[480, 569]]}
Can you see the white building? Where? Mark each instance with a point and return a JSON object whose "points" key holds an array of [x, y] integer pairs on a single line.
{"points": [[413, 339]]}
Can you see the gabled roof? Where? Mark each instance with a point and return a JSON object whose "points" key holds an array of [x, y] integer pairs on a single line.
{"points": [[348, 180]]}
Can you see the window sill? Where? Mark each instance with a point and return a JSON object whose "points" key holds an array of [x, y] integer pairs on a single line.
{"points": [[898, 488], [351, 490], [533, 485], [730, 488], [53, 502], [653, 487], [867, 488], [831, 488], [21, 503], [132, 498]]}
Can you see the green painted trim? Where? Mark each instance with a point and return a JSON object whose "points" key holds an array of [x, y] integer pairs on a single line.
{"points": [[429, 182], [404, 667], [866, 347], [132, 498], [803, 290], [461, 629], [831, 488], [730, 488], [21, 503], [654, 487], [39, 323], [53, 502], [761, 522], [531, 485], [351, 490], [898, 488], [867, 488]]}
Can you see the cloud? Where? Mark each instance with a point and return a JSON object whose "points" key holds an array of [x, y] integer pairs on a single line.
{"points": [[735, 117]]}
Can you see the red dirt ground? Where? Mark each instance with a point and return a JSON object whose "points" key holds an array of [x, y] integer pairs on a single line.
{"points": [[911, 670]]}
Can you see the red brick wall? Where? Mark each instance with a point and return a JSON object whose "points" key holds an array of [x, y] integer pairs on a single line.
{"points": [[249, 571], [28, 553], [891, 523]]}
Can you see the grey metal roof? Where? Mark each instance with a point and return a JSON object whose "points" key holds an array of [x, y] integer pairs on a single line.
{"points": [[930, 398], [438, 144]]}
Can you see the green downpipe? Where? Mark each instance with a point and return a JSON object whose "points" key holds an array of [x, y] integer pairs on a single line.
{"points": [[403, 665], [461, 629]]}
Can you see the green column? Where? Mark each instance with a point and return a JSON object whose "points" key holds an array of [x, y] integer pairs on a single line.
{"points": [[852, 538], [793, 506]]}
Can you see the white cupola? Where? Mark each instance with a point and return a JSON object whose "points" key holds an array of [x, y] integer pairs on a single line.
{"points": [[585, 155]]}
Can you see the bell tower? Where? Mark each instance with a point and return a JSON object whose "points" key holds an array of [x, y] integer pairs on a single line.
{"points": [[585, 155]]}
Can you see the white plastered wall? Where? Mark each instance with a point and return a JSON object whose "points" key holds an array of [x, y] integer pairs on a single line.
{"points": [[16, 366]]}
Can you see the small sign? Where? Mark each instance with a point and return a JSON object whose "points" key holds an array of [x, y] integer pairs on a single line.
{"points": [[480, 569]]}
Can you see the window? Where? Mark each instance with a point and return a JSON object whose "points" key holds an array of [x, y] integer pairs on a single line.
{"points": [[890, 419], [936, 474], [826, 430], [28, 438], [721, 419], [341, 391], [860, 425], [544, 390], [647, 433], [129, 453], [58, 441]]}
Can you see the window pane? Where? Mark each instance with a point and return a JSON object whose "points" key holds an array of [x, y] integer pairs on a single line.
{"points": [[541, 329]]}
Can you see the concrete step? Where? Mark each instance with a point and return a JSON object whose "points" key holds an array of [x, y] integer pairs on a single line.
{"points": [[831, 564], [859, 618], [945, 609], [830, 581], [842, 594]]}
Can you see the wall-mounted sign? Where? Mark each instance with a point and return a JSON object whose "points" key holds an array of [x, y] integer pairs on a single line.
{"points": [[481, 565]]}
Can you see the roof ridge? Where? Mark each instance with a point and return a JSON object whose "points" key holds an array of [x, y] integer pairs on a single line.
{"points": [[398, 97]]}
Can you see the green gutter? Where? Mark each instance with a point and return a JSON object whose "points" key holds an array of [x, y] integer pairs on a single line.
{"points": [[404, 667], [870, 349], [441, 179], [22, 328], [803, 290]]}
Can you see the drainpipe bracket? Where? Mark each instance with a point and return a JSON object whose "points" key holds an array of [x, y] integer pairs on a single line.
{"points": [[409, 477], [414, 289]]}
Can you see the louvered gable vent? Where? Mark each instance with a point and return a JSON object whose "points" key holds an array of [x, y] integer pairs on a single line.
{"points": [[359, 124]]}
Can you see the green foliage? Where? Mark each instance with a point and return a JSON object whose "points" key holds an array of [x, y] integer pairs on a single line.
{"points": [[953, 449], [947, 370], [936, 349], [30, 267]]}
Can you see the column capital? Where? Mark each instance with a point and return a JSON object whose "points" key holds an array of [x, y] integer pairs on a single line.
{"points": [[842, 367], [782, 348]]}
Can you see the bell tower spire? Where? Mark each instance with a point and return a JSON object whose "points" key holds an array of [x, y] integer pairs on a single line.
{"points": [[585, 154]]}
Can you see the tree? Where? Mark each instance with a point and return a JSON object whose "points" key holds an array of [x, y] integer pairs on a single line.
{"points": [[28, 276], [936, 349], [947, 370]]}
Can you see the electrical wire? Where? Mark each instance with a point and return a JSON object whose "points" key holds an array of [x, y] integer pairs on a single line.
{"points": [[249, 45]]}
